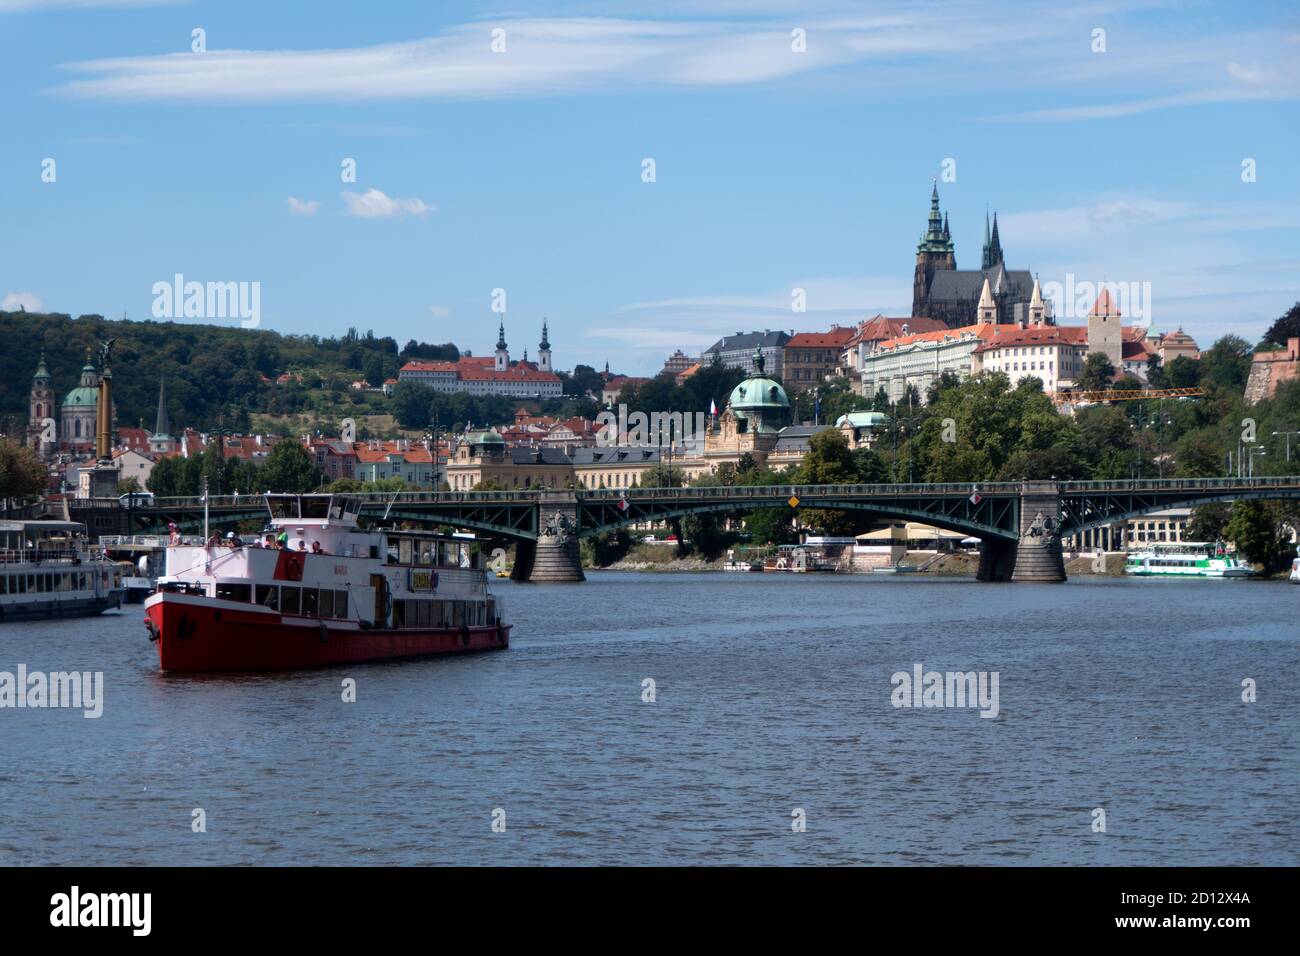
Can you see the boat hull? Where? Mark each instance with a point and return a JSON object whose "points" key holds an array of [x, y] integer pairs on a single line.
{"points": [[75, 607], [198, 635]]}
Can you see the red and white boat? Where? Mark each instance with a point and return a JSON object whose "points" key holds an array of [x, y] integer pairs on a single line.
{"points": [[334, 594]]}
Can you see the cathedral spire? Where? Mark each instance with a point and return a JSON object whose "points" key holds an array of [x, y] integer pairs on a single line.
{"points": [[995, 246], [501, 335], [162, 426], [934, 238]]}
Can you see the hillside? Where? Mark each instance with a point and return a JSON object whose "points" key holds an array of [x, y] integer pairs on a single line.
{"points": [[215, 373]]}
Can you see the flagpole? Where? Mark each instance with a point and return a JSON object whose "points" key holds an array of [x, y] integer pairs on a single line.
{"points": [[205, 510]]}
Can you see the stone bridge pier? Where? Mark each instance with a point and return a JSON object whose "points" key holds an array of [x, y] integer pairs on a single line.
{"points": [[1036, 556], [554, 555]]}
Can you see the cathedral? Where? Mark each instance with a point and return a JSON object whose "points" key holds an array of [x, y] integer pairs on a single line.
{"points": [[68, 425], [942, 291]]}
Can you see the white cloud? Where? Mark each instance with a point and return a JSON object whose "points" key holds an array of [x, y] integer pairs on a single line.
{"points": [[373, 204], [21, 300], [303, 207], [439, 311]]}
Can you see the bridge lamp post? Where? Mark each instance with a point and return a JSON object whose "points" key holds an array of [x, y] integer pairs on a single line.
{"points": [[1288, 442], [1253, 452]]}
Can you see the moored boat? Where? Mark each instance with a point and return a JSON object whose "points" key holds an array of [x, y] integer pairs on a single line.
{"points": [[1196, 559], [50, 569], [335, 594], [1295, 571]]}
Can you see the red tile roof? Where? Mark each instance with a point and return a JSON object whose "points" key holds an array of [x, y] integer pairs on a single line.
{"points": [[837, 337]]}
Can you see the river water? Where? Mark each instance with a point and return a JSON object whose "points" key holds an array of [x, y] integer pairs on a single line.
{"points": [[772, 738]]}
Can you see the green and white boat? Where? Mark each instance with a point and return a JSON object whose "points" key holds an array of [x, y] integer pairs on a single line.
{"points": [[1190, 559]]}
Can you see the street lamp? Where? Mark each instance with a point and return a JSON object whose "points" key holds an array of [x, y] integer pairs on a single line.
{"points": [[1288, 442], [1260, 450]]}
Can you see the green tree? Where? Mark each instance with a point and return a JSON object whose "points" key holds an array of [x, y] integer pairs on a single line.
{"points": [[1097, 374], [22, 473], [1255, 530], [1286, 327], [289, 468], [1227, 363]]}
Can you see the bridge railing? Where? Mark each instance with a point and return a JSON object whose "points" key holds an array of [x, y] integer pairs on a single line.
{"points": [[372, 498], [744, 492], [1282, 482]]}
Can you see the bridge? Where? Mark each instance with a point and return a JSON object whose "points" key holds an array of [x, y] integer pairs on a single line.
{"points": [[1020, 524]]}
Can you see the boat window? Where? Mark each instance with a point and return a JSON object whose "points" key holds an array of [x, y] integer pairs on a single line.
{"points": [[289, 600], [309, 602], [268, 595], [315, 507], [233, 592], [284, 507], [399, 614], [340, 603], [326, 601]]}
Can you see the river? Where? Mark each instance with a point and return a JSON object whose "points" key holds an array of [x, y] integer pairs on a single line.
{"points": [[771, 739]]}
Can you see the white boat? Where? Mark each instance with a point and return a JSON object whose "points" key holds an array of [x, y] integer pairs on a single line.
{"points": [[1190, 559], [49, 569], [1295, 571]]}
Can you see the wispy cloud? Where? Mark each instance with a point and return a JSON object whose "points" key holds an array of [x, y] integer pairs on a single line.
{"points": [[22, 6], [374, 204], [439, 311], [303, 207], [921, 47]]}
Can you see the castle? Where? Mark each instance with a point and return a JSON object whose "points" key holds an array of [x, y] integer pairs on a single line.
{"points": [[952, 296]]}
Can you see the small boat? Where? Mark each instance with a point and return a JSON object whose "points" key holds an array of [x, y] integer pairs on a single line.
{"points": [[740, 564], [1190, 559], [1295, 571]]}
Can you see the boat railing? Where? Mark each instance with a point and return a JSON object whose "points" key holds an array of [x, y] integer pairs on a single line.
{"points": [[47, 556]]}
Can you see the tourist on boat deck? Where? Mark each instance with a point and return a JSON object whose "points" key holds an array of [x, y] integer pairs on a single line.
{"points": [[282, 540], [231, 541], [174, 532], [215, 540], [316, 548], [302, 542]]}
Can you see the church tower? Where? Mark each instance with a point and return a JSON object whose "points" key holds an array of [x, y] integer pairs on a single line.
{"points": [[1104, 330], [161, 441], [503, 353], [988, 309], [933, 252], [1037, 308], [42, 438], [544, 351]]}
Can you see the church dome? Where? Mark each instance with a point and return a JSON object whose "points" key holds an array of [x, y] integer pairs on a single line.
{"points": [[85, 395], [483, 436], [758, 394]]}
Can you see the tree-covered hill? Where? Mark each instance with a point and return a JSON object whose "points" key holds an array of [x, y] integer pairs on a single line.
{"points": [[215, 373]]}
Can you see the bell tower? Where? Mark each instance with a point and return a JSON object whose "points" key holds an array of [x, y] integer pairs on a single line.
{"points": [[42, 429], [544, 351]]}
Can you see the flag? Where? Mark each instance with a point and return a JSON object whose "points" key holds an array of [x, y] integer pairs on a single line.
{"points": [[975, 498], [622, 502], [713, 408]]}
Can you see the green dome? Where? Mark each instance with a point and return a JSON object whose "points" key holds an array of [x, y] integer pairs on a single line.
{"points": [[83, 395], [758, 394], [483, 436]]}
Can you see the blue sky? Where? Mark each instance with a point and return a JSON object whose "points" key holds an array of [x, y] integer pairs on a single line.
{"points": [[521, 169]]}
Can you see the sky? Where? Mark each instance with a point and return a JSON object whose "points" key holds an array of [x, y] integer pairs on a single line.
{"points": [[646, 177]]}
